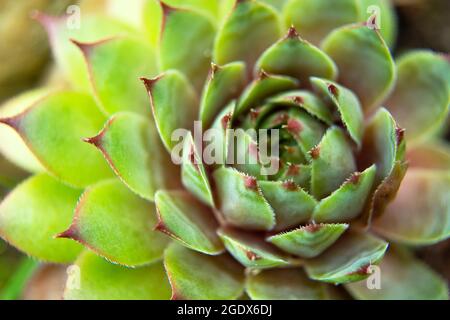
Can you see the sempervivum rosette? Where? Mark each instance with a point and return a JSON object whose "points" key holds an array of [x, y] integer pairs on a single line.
{"points": [[291, 152]]}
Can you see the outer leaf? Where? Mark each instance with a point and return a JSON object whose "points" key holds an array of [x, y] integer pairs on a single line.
{"points": [[296, 58], [101, 280], [34, 212], [314, 19], [197, 276], [403, 277], [361, 52], [263, 87], [193, 172], [425, 220], [386, 16], [348, 201], [284, 284], [115, 66], [225, 83], [349, 259], [59, 146], [131, 145], [291, 204], [241, 202], [13, 147], [19, 279], [434, 155], [69, 58], [251, 251], [186, 43], [117, 225], [421, 98], [332, 163], [174, 104], [188, 221], [309, 241], [250, 29], [346, 103]]}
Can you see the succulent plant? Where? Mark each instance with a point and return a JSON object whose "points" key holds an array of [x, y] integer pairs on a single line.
{"points": [[107, 196]]}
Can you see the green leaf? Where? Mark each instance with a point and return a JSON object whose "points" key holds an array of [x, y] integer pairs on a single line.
{"points": [[186, 43], [174, 104], [309, 241], [295, 57], [100, 280], [114, 73], [183, 218], [421, 97], [61, 31], [348, 260], [249, 30], [347, 202], [13, 147], [263, 87], [365, 64], [426, 220], [307, 101], [346, 103], [195, 276], [131, 145], [332, 163], [241, 201], [117, 225], [59, 146], [193, 172], [300, 174], [251, 251], [225, 83], [15, 285], [284, 284], [292, 205], [403, 277], [314, 19], [34, 213]]}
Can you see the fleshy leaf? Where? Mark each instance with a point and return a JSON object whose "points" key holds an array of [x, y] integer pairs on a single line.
{"points": [[186, 43], [117, 225], [346, 103], [195, 276], [425, 220], [347, 202], [434, 155], [246, 153], [348, 260], [300, 174], [93, 278], [421, 98], [34, 212], [59, 146], [314, 19], [307, 101], [263, 87], [403, 277], [250, 29], [115, 66], [360, 52], [332, 163], [294, 57], [284, 284], [69, 58], [309, 241], [241, 201], [185, 219], [225, 83], [12, 146], [251, 251], [174, 104], [131, 145], [292, 205], [193, 172]]}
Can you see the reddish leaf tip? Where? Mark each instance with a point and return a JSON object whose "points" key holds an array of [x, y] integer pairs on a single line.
{"points": [[166, 8], [294, 126], [70, 233], [12, 122], [315, 152], [292, 33], [290, 185], [298, 100], [252, 256], [149, 83], [250, 183], [311, 228], [96, 140], [400, 134], [226, 120], [293, 170], [262, 75], [354, 178], [254, 114], [333, 90]]}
